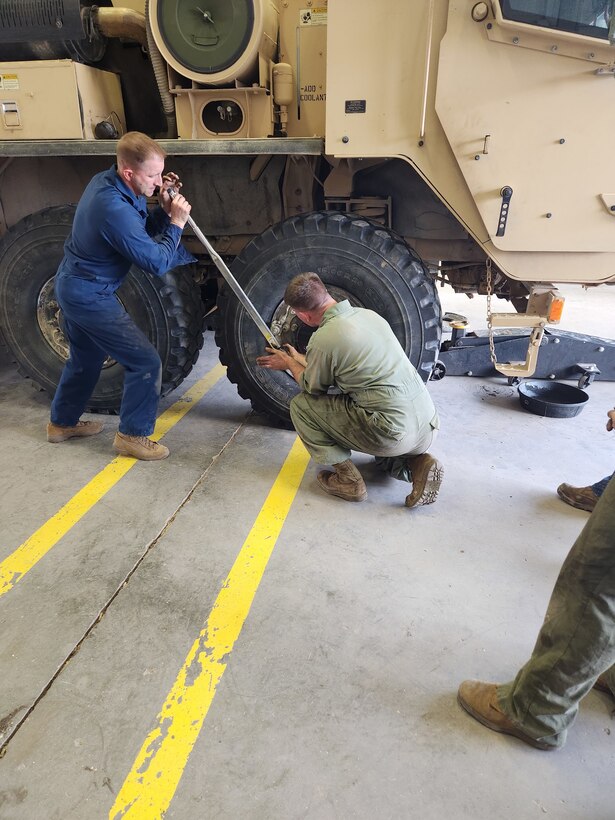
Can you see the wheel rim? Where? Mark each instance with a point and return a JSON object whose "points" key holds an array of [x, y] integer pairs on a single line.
{"points": [[49, 318]]}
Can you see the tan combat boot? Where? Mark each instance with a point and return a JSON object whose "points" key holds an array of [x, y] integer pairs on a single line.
{"points": [[346, 482], [583, 498], [481, 701], [140, 447], [56, 434], [427, 474]]}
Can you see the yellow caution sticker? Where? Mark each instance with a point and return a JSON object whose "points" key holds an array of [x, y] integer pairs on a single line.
{"points": [[9, 82], [313, 17]]}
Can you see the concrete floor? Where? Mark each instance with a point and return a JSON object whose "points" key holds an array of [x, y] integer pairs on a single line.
{"points": [[338, 698]]}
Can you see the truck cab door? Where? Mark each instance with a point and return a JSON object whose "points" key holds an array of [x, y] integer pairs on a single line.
{"points": [[526, 98]]}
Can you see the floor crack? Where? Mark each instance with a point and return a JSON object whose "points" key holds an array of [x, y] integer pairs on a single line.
{"points": [[152, 543]]}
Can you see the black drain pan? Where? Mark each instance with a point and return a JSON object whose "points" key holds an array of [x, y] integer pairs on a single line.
{"points": [[553, 399]]}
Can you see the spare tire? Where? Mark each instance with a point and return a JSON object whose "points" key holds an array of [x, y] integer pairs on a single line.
{"points": [[356, 259], [168, 309]]}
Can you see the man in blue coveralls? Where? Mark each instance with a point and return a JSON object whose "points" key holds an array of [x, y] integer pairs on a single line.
{"points": [[113, 230]]}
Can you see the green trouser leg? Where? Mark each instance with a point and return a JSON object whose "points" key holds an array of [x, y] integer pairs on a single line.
{"points": [[396, 467], [577, 641], [331, 426]]}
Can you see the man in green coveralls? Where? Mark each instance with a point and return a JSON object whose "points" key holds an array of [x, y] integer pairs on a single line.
{"points": [[575, 649], [383, 407]]}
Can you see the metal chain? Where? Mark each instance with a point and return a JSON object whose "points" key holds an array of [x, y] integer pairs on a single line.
{"points": [[492, 355]]}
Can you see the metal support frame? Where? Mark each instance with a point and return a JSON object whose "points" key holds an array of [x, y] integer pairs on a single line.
{"points": [[71, 148]]}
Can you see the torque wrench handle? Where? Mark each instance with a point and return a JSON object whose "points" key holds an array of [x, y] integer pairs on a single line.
{"points": [[232, 282]]}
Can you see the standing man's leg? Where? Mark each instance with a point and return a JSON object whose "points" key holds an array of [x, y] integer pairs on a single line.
{"points": [[600, 486], [142, 377], [575, 646], [114, 330], [99, 326], [76, 385]]}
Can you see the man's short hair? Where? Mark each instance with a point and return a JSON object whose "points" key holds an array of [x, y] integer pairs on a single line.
{"points": [[135, 148], [306, 292]]}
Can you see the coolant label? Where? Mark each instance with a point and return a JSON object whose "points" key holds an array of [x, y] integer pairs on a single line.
{"points": [[313, 17], [312, 93], [9, 82]]}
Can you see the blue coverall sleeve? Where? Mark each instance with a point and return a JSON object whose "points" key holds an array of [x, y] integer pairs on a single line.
{"points": [[129, 237], [157, 220]]}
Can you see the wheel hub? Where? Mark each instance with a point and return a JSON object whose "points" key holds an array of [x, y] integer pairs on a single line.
{"points": [[48, 315], [289, 329], [51, 323]]}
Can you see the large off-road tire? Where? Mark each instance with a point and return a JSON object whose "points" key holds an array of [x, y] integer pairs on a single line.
{"points": [[168, 309], [356, 259]]}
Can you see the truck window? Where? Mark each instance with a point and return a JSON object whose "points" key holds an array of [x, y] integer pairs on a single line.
{"points": [[588, 17]]}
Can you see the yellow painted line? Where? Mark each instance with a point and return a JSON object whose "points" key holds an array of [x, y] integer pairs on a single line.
{"points": [[21, 561], [157, 770]]}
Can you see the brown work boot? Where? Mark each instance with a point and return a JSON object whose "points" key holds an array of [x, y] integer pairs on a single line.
{"points": [[56, 434], [427, 474], [480, 700], [583, 498], [140, 447], [346, 482]]}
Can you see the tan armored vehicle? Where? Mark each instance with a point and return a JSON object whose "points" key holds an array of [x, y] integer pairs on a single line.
{"points": [[386, 145]]}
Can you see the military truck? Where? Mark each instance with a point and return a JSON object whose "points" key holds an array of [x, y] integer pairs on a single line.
{"points": [[389, 146]]}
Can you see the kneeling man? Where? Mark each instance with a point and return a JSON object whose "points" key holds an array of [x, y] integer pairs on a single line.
{"points": [[383, 407]]}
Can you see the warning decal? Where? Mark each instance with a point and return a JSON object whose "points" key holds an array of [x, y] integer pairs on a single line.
{"points": [[313, 17], [9, 82]]}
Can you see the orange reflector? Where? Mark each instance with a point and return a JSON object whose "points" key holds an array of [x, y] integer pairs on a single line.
{"points": [[556, 310]]}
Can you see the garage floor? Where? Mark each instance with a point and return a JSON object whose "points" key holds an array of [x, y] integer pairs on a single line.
{"points": [[213, 636]]}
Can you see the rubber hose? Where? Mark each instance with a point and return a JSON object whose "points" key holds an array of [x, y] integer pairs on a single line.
{"points": [[160, 72], [120, 22]]}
